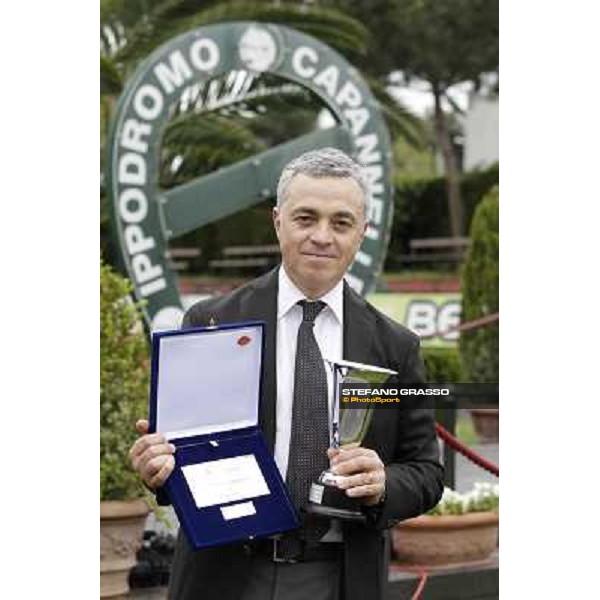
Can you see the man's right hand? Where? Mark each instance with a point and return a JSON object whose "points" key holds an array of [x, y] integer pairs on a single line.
{"points": [[152, 456]]}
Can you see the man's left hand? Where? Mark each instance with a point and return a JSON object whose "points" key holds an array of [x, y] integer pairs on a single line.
{"points": [[364, 473]]}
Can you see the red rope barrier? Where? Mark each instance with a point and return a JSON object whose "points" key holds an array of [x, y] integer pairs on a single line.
{"points": [[454, 442], [474, 324], [419, 590], [466, 451]]}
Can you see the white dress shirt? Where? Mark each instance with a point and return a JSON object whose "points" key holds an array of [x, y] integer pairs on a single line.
{"points": [[328, 330]]}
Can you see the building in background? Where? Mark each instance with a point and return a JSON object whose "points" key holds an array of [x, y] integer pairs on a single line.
{"points": [[481, 132]]}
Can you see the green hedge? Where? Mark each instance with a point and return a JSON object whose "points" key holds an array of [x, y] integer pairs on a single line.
{"points": [[421, 208], [251, 227], [479, 285], [124, 370], [442, 365], [420, 211]]}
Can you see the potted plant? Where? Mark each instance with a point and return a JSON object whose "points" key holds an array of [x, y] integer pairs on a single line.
{"points": [[479, 286], [462, 528], [123, 390]]}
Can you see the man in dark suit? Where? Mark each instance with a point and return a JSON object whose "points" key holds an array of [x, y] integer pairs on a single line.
{"points": [[320, 220]]}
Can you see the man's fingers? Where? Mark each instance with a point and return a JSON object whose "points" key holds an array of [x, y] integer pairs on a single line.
{"points": [[146, 441], [369, 487], [363, 491], [142, 426], [153, 451], [151, 455], [166, 468], [362, 471], [351, 452], [361, 479], [333, 452], [358, 464], [154, 466]]}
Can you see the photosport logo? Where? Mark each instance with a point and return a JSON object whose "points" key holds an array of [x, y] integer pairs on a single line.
{"points": [[430, 395], [145, 218]]}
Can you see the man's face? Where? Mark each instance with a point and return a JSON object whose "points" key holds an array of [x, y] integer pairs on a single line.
{"points": [[320, 227]]}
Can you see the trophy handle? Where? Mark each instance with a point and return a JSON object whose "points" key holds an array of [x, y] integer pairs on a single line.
{"points": [[338, 374]]}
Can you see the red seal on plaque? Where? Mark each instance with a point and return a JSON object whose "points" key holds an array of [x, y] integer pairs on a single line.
{"points": [[244, 340]]}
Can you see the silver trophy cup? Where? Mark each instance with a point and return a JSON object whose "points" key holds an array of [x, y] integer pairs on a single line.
{"points": [[349, 426]]}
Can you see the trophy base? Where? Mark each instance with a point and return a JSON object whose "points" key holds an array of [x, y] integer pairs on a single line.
{"points": [[330, 501]]}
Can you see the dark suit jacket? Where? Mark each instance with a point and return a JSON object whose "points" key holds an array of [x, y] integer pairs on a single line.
{"points": [[405, 440]]}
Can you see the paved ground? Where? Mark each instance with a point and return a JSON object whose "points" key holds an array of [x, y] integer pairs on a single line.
{"points": [[466, 475]]}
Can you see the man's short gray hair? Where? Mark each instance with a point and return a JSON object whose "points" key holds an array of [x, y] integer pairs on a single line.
{"points": [[324, 162]]}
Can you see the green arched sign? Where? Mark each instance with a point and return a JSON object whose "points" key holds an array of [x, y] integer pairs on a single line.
{"points": [[145, 218]]}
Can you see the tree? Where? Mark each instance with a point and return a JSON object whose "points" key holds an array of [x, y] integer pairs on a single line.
{"points": [[199, 139], [479, 284], [444, 42], [130, 30], [124, 371]]}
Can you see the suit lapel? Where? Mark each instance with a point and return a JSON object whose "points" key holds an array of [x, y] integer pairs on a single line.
{"points": [[262, 305], [358, 324]]}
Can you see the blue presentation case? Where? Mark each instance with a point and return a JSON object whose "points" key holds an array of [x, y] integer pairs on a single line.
{"points": [[205, 392]]}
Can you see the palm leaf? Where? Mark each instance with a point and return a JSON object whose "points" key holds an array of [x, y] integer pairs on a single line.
{"points": [[332, 26], [201, 143], [110, 78], [401, 122]]}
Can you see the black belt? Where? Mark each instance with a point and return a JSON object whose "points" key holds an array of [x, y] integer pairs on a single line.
{"points": [[322, 551]]}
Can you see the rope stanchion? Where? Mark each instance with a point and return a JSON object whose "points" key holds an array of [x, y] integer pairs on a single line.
{"points": [[466, 451]]}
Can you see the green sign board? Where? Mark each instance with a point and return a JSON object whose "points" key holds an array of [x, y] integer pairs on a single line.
{"points": [[433, 316], [145, 218]]}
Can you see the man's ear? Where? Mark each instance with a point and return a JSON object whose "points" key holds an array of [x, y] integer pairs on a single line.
{"points": [[276, 220], [364, 231]]}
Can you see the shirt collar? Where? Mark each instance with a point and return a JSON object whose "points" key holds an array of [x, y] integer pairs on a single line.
{"points": [[289, 295]]}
